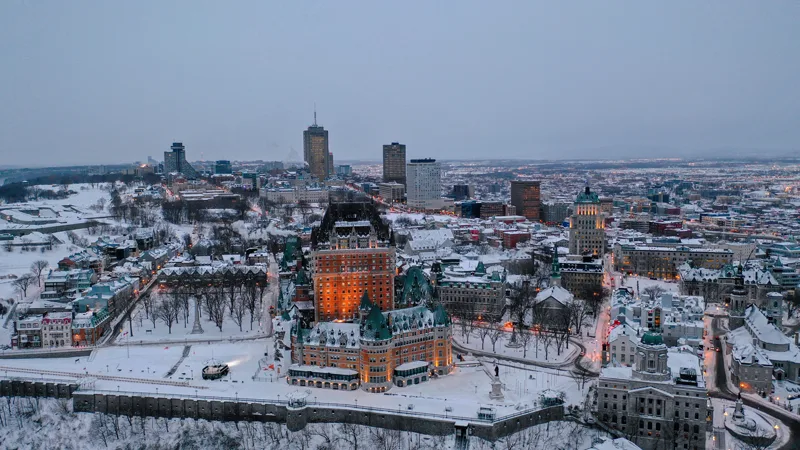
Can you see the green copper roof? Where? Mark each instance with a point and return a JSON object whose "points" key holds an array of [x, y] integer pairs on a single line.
{"points": [[650, 338], [366, 304], [440, 316], [302, 278], [587, 196], [480, 269], [285, 316], [374, 326], [416, 288]]}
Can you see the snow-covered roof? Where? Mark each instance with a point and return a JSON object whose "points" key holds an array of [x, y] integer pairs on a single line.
{"points": [[557, 293], [762, 329]]}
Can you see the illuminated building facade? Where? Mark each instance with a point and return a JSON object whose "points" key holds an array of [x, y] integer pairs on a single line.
{"points": [[587, 234], [394, 348], [352, 254]]}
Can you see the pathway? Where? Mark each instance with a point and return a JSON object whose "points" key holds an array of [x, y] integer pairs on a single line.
{"points": [[174, 368]]}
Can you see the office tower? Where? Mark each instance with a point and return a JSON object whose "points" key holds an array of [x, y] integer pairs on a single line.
{"points": [[525, 196], [223, 166], [175, 161], [587, 234], [344, 170], [330, 164], [352, 253], [424, 188], [394, 163], [315, 150], [461, 192]]}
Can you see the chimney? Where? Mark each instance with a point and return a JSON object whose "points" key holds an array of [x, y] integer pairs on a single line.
{"points": [[797, 339]]}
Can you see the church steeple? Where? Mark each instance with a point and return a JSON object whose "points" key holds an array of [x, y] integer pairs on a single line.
{"points": [[555, 275]]}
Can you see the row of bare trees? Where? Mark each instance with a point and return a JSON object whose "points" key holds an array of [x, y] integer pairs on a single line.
{"points": [[239, 298]]}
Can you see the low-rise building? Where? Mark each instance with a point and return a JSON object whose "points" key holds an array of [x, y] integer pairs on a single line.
{"points": [[482, 293], [392, 192], [660, 402], [581, 274], [28, 332], [663, 262], [57, 329]]}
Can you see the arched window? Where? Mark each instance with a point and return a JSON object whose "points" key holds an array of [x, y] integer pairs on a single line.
{"points": [[696, 429], [686, 427]]}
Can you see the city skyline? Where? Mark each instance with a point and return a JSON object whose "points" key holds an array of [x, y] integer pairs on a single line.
{"points": [[625, 85]]}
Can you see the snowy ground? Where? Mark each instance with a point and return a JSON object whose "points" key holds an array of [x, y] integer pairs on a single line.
{"points": [[728, 441], [144, 368], [501, 348], [145, 332]]}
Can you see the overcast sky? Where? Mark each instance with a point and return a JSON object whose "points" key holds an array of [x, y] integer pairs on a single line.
{"points": [[116, 81]]}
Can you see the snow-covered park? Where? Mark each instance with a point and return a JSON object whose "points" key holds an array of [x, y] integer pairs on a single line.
{"points": [[538, 350]]}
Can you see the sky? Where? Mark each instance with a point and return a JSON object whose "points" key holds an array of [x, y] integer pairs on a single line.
{"points": [[97, 82]]}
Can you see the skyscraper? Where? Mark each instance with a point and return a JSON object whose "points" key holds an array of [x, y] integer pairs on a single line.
{"points": [[424, 189], [394, 163], [587, 232], [330, 165], [315, 150], [525, 196], [175, 161]]}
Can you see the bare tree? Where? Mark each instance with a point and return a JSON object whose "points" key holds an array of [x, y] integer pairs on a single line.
{"points": [[538, 317], [327, 434], [351, 434], [495, 333], [654, 292], [23, 283], [525, 338], [483, 332], [215, 304], [577, 314], [168, 311], [238, 309], [149, 301], [251, 297], [384, 439], [37, 268], [546, 338]]}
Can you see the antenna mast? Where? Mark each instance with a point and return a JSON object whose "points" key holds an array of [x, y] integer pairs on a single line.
{"points": [[315, 113]]}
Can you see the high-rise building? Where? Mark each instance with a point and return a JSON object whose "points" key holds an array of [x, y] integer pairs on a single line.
{"points": [[394, 163], [587, 228], [315, 150], [223, 166], [526, 198], [352, 254], [330, 164], [344, 170], [175, 161], [462, 191], [424, 188]]}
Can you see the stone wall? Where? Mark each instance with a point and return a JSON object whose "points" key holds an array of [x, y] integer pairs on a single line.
{"points": [[22, 354], [21, 388], [297, 418]]}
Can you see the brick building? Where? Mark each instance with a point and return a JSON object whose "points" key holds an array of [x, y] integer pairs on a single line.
{"points": [[352, 253]]}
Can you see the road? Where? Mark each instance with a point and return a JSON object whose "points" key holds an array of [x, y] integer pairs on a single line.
{"points": [[722, 390]]}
